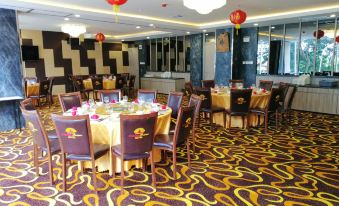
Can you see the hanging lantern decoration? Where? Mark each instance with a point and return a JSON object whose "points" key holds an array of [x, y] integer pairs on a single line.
{"points": [[100, 37], [238, 17], [337, 39], [116, 6], [319, 34]]}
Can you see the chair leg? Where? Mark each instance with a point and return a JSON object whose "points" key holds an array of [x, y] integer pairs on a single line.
{"points": [[94, 172], [266, 122], [276, 119], [211, 120], [224, 119], [36, 159], [153, 170], [113, 166], [82, 167], [174, 164], [122, 176], [64, 172], [188, 154], [193, 139], [50, 167], [144, 164], [230, 122], [243, 121], [248, 121]]}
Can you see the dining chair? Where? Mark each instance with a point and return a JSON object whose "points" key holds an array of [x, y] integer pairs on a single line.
{"points": [[50, 91], [195, 102], [120, 84], [168, 142], [236, 82], [79, 87], [113, 95], [75, 137], [267, 85], [239, 105], [174, 102], [207, 107], [27, 104], [147, 95], [97, 85], [41, 140], [271, 107], [29, 80], [131, 89], [286, 105], [208, 84], [43, 93], [188, 89], [69, 100], [136, 142]]}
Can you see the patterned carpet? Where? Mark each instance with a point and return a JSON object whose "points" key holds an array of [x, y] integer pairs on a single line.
{"points": [[295, 165]]}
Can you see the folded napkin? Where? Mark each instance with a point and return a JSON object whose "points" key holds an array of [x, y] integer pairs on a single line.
{"points": [[136, 101], [95, 116], [163, 107], [74, 108], [113, 101], [155, 101]]}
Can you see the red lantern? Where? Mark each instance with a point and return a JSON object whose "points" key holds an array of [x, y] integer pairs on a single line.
{"points": [[238, 17], [319, 35], [116, 4], [100, 37], [337, 39]]}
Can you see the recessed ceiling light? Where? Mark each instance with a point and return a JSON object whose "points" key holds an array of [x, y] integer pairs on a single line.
{"points": [[204, 30], [333, 15], [206, 34], [138, 27], [66, 19], [147, 37], [151, 25], [188, 32], [255, 24], [273, 27], [77, 15], [122, 40]]}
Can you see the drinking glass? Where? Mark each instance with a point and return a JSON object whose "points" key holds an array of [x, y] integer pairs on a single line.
{"points": [[106, 100], [125, 98]]}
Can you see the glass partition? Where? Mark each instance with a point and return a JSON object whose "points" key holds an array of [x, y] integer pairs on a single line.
{"points": [[153, 55], [180, 54], [159, 55], [336, 60], [263, 50], [187, 53], [148, 55], [276, 65], [166, 54], [325, 47], [173, 51], [292, 32], [307, 47]]}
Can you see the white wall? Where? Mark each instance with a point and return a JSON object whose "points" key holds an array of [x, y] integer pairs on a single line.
{"points": [[209, 60]]}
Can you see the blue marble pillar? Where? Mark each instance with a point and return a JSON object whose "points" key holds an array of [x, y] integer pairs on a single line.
{"points": [[196, 59], [223, 62], [10, 69], [245, 51]]}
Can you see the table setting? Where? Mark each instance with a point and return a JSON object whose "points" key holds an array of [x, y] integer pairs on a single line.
{"points": [[105, 125]]}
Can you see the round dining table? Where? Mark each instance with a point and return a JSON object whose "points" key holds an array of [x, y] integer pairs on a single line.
{"points": [[223, 99], [106, 84], [106, 130]]}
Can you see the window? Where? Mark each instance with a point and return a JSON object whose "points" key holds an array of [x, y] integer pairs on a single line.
{"points": [[307, 47], [263, 50], [325, 47], [276, 65], [292, 32]]}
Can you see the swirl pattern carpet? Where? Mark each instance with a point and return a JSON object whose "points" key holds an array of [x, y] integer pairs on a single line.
{"points": [[296, 164]]}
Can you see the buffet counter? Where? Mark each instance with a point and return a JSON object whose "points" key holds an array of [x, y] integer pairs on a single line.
{"points": [[163, 85]]}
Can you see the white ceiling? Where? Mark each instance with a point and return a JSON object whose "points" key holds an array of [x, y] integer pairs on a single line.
{"points": [[97, 15]]}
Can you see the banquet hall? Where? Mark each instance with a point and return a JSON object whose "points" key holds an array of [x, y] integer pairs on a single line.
{"points": [[169, 102]]}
